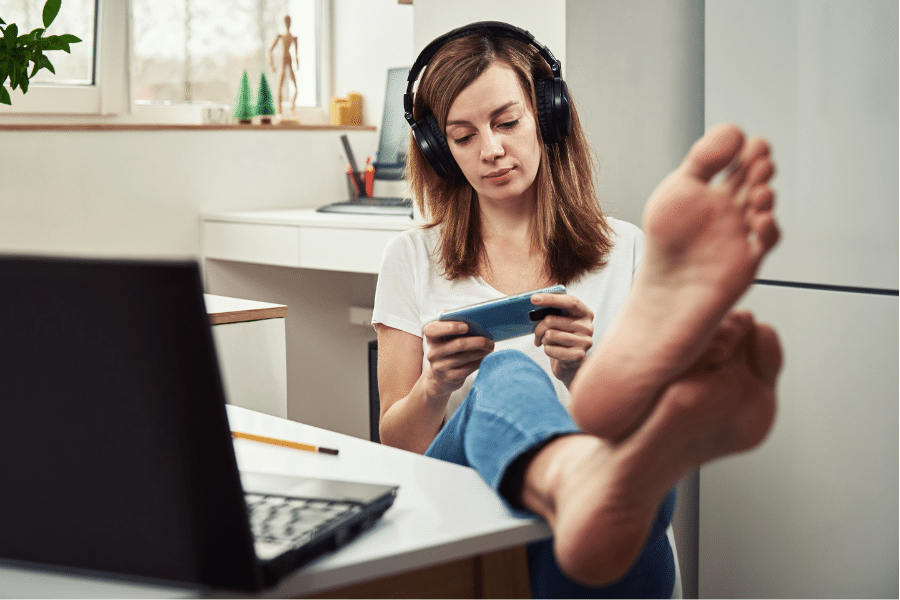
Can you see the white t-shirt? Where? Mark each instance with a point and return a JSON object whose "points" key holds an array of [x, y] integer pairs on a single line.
{"points": [[412, 291]]}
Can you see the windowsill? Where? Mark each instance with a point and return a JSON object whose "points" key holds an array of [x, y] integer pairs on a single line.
{"points": [[175, 127]]}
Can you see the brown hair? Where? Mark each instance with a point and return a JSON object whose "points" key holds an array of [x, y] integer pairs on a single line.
{"points": [[569, 226]]}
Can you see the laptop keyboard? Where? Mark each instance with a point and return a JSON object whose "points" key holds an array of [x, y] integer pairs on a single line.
{"points": [[372, 206], [294, 521]]}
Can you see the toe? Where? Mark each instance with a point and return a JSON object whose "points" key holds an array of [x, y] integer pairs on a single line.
{"points": [[733, 327], [766, 354], [751, 166], [714, 151], [765, 232], [761, 171], [762, 198]]}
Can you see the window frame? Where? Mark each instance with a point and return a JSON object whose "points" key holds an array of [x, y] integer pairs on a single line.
{"points": [[111, 87], [110, 95]]}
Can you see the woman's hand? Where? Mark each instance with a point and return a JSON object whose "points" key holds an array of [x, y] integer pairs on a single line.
{"points": [[449, 362], [566, 339]]}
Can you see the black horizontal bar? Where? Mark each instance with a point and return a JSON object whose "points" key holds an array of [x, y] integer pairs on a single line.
{"points": [[829, 288]]}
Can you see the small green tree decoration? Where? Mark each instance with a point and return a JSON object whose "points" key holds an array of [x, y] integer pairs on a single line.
{"points": [[265, 107], [243, 104], [16, 51]]}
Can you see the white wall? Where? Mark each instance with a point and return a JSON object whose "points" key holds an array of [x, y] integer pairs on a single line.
{"points": [[373, 36], [545, 19]]}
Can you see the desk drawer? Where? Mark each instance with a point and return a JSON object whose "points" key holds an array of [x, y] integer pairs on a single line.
{"points": [[248, 242], [354, 250]]}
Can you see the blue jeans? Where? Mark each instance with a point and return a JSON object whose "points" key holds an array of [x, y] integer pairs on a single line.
{"points": [[512, 409]]}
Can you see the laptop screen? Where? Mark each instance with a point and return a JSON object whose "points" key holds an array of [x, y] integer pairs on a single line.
{"points": [[114, 438], [393, 143]]}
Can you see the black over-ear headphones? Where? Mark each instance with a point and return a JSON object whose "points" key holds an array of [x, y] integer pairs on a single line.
{"points": [[553, 110]]}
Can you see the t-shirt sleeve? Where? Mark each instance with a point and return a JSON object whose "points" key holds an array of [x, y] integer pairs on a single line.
{"points": [[639, 243], [396, 298]]}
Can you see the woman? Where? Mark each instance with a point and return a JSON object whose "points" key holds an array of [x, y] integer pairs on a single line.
{"points": [[510, 212]]}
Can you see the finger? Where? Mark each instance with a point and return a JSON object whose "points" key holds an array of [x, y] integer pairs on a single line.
{"points": [[439, 329], [572, 305], [561, 339], [445, 367], [578, 327], [565, 355], [459, 347]]}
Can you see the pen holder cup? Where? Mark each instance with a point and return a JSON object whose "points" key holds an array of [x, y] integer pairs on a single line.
{"points": [[352, 186]]}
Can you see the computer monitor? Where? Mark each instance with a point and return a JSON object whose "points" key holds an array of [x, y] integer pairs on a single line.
{"points": [[393, 145]]}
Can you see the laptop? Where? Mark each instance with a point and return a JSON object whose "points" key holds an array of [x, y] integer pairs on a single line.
{"points": [[390, 162], [116, 451]]}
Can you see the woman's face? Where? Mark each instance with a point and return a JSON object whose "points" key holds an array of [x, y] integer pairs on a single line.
{"points": [[492, 134]]}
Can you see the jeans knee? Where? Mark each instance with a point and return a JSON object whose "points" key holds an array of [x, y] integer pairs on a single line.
{"points": [[509, 358], [510, 366]]}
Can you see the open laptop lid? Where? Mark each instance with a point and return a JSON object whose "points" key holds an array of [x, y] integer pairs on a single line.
{"points": [[115, 447]]}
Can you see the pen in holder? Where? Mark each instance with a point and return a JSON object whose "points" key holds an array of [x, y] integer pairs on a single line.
{"points": [[353, 180]]}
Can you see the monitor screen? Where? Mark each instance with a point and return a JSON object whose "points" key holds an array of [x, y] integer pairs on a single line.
{"points": [[394, 141]]}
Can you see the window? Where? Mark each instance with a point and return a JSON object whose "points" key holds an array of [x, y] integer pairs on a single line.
{"points": [[163, 60], [90, 80], [76, 17], [195, 51]]}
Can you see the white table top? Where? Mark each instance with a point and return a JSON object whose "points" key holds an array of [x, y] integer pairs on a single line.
{"points": [[443, 512], [309, 217]]}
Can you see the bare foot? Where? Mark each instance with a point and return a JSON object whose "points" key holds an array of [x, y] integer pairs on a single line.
{"points": [[705, 242], [601, 499]]}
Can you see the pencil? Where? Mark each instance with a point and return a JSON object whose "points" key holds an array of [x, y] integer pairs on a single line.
{"points": [[287, 444]]}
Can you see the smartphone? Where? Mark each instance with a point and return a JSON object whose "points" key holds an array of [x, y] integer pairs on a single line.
{"points": [[504, 318]]}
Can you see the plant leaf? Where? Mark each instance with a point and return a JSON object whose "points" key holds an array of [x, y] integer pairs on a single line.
{"points": [[37, 66], [4, 96], [45, 62], [9, 36], [51, 9], [69, 38]]}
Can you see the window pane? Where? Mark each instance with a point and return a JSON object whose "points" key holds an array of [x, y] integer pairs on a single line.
{"points": [[75, 17], [196, 51]]}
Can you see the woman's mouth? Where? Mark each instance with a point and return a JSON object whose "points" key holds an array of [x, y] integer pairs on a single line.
{"points": [[500, 174]]}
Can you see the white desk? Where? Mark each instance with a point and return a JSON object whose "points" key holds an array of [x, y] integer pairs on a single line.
{"points": [[321, 265], [444, 515], [301, 238]]}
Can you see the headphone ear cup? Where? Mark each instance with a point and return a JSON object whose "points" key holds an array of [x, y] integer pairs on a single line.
{"points": [[553, 109], [434, 147]]}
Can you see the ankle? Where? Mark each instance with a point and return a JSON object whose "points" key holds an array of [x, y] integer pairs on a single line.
{"points": [[546, 472]]}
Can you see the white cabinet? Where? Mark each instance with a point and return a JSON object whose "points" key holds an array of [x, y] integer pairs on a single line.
{"points": [[813, 511], [301, 238], [818, 79]]}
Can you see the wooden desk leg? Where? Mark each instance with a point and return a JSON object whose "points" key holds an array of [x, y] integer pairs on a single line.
{"points": [[504, 574], [501, 574]]}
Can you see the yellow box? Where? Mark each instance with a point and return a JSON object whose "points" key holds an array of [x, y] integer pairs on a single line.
{"points": [[355, 99], [339, 107]]}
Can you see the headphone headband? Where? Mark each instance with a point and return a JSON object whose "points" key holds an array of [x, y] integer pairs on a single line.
{"points": [[496, 28]]}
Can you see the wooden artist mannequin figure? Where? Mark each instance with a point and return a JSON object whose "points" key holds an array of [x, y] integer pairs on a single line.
{"points": [[287, 40]]}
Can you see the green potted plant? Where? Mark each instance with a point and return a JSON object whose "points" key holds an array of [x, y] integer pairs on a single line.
{"points": [[16, 51]]}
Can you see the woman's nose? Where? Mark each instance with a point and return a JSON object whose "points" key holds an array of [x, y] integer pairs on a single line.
{"points": [[491, 148]]}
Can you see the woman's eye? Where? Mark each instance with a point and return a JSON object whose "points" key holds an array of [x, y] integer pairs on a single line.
{"points": [[462, 141], [510, 124]]}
